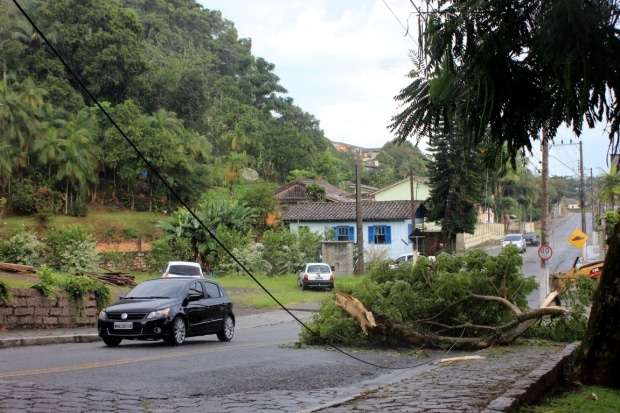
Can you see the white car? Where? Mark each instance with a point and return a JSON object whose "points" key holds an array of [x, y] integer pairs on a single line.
{"points": [[316, 274], [401, 260], [518, 240], [183, 269]]}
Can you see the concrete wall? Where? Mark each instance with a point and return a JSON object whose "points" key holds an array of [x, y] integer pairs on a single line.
{"points": [[483, 233], [28, 308], [400, 237], [338, 254], [402, 192]]}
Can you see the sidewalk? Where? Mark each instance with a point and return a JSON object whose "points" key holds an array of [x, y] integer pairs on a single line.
{"points": [[15, 338]]}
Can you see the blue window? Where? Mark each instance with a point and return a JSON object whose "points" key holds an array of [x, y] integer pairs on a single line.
{"points": [[344, 233], [379, 234]]}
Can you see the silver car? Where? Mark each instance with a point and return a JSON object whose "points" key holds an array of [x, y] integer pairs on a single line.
{"points": [[515, 239], [316, 274]]}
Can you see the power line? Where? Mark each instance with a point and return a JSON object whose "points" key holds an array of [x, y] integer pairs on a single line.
{"points": [[182, 202], [405, 28]]}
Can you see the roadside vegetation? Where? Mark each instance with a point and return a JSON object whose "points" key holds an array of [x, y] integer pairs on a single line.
{"points": [[587, 399]]}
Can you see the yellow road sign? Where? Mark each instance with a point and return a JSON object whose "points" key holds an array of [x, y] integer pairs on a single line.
{"points": [[577, 238]]}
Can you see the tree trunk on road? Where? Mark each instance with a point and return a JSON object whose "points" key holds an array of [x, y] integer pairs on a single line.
{"points": [[600, 361]]}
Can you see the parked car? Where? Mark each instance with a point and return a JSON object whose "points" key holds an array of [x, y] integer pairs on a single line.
{"points": [[515, 239], [531, 239], [400, 260], [316, 274], [183, 269], [170, 309]]}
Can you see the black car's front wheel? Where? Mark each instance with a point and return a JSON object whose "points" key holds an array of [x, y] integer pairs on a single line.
{"points": [[178, 332], [228, 329], [111, 341]]}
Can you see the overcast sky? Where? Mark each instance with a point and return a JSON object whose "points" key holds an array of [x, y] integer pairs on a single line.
{"points": [[343, 61]]}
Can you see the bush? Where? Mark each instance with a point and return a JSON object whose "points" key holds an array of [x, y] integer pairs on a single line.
{"points": [[21, 248], [577, 298], [76, 286], [439, 290], [4, 292], [251, 256], [23, 201], [79, 208], [71, 250], [611, 220], [168, 249], [285, 251]]}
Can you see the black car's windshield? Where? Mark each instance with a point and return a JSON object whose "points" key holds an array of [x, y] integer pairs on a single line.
{"points": [[320, 269], [184, 270], [166, 288]]}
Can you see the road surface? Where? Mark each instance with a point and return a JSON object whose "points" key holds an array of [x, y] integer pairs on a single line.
{"points": [[261, 367], [563, 253]]}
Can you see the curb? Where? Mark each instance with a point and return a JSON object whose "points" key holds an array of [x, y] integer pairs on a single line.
{"points": [[37, 341], [533, 387]]}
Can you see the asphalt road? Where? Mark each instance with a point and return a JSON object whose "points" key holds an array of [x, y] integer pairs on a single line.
{"points": [[563, 253], [259, 359]]}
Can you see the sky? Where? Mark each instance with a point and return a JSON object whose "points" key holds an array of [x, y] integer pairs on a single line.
{"points": [[344, 61]]}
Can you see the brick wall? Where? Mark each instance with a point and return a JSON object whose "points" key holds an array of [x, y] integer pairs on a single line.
{"points": [[28, 308]]}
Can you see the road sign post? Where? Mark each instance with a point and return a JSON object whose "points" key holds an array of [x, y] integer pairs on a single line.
{"points": [[545, 252]]}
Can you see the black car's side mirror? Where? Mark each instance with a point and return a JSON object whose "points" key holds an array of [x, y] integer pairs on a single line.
{"points": [[193, 297]]}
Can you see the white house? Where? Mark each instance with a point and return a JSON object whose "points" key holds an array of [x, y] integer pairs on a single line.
{"points": [[387, 224]]}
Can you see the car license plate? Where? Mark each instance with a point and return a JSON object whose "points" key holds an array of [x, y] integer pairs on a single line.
{"points": [[123, 325]]}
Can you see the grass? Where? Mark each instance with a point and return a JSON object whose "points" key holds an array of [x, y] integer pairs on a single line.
{"points": [[243, 291], [104, 224], [588, 399]]}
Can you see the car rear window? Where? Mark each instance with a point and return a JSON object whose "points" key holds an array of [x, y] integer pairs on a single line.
{"points": [[188, 270], [512, 238], [320, 269]]}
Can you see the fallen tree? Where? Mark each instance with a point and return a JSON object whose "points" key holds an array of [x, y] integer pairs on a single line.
{"points": [[484, 335], [467, 302]]}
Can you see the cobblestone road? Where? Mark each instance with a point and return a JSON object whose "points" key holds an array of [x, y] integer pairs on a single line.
{"points": [[459, 387], [463, 386]]}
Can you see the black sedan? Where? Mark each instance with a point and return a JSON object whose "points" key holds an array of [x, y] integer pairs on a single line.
{"points": [[170, 309], [531, 239]]}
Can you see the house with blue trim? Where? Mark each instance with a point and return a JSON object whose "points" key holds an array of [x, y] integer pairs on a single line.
{"points": [[387, 224]]}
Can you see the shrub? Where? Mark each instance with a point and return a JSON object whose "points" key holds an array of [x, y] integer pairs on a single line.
{"points": [[285, 251], [76, 286], [251, 256], [79, 208], [439, 290], [22, 248], [577, 298], [23, 201], [4, 292], [168, 249], [71, 250], [611, 220]]}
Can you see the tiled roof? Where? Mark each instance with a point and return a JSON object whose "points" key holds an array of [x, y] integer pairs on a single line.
{"points": [[345, 211], [296, 191]]}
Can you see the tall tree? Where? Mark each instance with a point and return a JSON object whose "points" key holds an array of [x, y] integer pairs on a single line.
{"points": [[508, 69]]}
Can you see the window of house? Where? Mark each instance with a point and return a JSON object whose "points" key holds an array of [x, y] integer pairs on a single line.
{"points": [[380, 234], [344, 233]]}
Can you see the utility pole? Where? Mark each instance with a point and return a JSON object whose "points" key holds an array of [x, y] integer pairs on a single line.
{"points": [[582, 189], [545, 192], [592, 207], [414, 241], [359, 268]]}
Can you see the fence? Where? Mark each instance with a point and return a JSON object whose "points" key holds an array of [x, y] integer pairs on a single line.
{"points": [[482, 234]]}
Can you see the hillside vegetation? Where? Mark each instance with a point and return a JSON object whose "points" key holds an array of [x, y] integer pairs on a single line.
{"points": [[178, 79]]}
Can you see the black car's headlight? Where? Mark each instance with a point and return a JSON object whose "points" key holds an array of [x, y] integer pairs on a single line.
{"points": [[163, 313], [102, 315]]}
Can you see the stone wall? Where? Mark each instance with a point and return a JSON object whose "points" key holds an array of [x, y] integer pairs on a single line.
{"points": [[28, 308]]}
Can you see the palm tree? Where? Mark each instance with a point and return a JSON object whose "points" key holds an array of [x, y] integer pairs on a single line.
{"points": [[77, 161], [610, 186]]}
